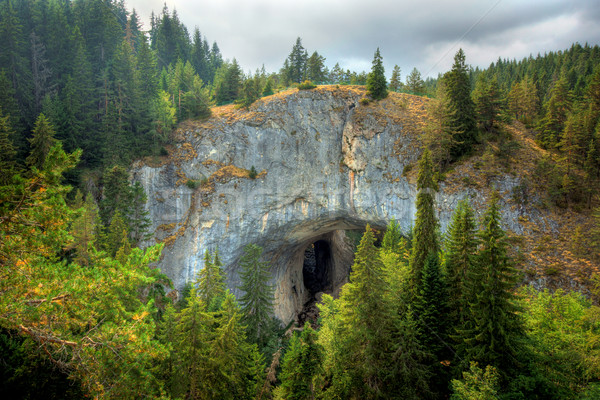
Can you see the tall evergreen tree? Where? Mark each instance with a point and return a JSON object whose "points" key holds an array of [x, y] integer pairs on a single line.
{"points": [[376, 82], [300, 364], [8, 164], [493, 333], [556, 114], [414, 83], [257, 300], [297, 61], [461, 112], [460, 248], [211, 282], [424, 239], [486, 98], [315, 68], [396, 81], [41, 142], [371, 350]]}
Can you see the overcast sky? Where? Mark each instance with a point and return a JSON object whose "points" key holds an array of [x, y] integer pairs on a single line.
{"points": [[424, 34]]}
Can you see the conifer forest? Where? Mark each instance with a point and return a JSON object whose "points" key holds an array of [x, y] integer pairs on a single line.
{"points": [[87, 89]]}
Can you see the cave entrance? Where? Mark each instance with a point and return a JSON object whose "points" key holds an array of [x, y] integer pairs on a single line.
{"points": [[317, 269]]}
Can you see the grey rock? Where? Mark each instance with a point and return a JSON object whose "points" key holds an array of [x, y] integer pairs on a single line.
{"points": [[329, 165]]}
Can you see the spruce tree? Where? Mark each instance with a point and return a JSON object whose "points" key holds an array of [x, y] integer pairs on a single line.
{"points": [[414, 83], [364, 331], [461, 112], [41, 142], [376, 82], [8, 165], [211, 283], [460, 248], [300, 364], [257, 298], [315, 68], [557, 109], [424, 239], [392, 239], [493, 333], [296, 63], [395, 81]]}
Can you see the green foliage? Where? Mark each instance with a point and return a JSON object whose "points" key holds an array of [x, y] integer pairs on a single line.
{"points": [[477, 384], [315, 68], [370, 351], [301, 363], [41, 142], [487, 101], [492, 332], [395, 81], [376, 82], [211, 282], [460, 112], [557, 110], [257, 300], [90, 320], [306, 85], [294, 69], [252, 174], [414, 83], [460, 247], [425, 239], [364, 101], [565, 339]]}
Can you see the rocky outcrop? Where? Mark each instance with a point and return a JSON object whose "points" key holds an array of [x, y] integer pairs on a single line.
{"points": [[325, 163]]}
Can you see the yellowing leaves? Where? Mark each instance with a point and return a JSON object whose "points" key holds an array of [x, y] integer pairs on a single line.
{"points": [[139, 317]]}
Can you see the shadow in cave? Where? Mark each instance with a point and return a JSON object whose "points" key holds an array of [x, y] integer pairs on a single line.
{"points": [[317, 273]]}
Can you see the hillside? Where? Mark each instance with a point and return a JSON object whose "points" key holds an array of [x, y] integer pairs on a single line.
{"points": [[327, 163]]}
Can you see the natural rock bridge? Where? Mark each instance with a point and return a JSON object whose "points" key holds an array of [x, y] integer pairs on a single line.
{"points": [[325, 163]]}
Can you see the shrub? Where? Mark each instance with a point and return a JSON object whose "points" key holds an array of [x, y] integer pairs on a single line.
{"points": [[252, 173], [192, 184], [306, 85], [364, 101]]}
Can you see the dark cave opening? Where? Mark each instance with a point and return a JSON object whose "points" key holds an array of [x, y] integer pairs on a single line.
{"points": [[317, 269]]}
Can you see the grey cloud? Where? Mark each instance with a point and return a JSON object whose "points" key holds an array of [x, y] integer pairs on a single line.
{"points": [[263, 31]]}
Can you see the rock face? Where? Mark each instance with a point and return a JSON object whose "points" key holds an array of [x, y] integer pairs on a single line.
{"points": [[325, 162]]}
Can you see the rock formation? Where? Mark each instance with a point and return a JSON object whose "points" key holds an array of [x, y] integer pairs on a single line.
{"points": [[325, 163]]}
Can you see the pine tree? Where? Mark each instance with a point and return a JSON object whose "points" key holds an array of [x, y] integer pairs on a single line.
{"points": [[297, 62], [432, 308], [371, 350], [492, 334], [556, 114], [8, 165], [210, 282], [460, 248], [393, 239], [300, 364], [41, 142], [84, 228], [461, 112], [190, 342], [486, 98], [425, 239], [396, 81], [315, 68], [257, 300], [414, 83], [376, 82]]}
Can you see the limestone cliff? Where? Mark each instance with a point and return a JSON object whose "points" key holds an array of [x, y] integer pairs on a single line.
{"points": [[325, 163]]}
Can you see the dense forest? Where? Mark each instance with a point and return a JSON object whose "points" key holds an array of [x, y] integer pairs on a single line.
{"points": [[84, 91]]}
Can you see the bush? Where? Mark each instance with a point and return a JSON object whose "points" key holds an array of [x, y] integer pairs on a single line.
{"points": [[364, 101], [252, 173], [192, 184], [306, 85]]}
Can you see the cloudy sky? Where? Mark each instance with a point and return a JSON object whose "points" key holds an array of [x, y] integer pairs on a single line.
{"points": [[424, 34]]}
